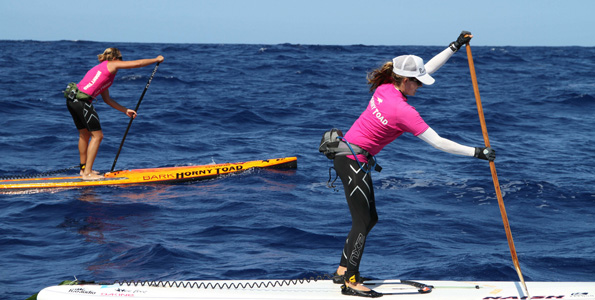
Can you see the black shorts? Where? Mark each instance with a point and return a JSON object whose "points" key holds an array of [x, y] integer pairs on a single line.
{"points": [[84, 115]]}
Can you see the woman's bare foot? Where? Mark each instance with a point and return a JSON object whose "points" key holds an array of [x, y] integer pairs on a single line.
{"points": [[91, 176], [92, 172]]}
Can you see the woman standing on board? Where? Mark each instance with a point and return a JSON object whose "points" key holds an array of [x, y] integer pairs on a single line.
{"points": [[387, 116], [96, 82]]}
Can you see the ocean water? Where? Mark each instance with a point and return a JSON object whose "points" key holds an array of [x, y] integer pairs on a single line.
{"points": [[439, 216]]}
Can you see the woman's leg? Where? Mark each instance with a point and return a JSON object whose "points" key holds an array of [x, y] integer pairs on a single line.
{"points": [[91, 154], [359, 193], [84, 136]]}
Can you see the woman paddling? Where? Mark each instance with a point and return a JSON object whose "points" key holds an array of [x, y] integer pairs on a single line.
{"points": [[387, 116], [96, 82]]}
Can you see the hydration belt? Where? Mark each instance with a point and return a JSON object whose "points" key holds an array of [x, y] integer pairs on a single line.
{"points": [[72, 93], [345, 148]]}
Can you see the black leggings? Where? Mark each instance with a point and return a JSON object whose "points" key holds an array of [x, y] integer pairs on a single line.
{"points": [[83, 114], [360, 198]]}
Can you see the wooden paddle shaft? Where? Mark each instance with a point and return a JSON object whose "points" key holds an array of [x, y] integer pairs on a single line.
{"points": [[484, 130]]}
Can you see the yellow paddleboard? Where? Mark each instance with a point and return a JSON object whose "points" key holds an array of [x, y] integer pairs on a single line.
{"points": [[142, 176]]}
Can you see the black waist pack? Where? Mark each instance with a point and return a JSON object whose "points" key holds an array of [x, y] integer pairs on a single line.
{"points": [[333, 144], [330, 142], [72, 92]]}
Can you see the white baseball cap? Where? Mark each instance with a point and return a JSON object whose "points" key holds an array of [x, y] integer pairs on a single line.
{"points": [[412, 66]]}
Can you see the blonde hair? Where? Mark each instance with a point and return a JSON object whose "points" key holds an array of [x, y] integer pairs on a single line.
{"points": [[383, 75], [109, 54]]}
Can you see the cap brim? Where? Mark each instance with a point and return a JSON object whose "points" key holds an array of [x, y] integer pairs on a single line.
{"points": [[426, 79]]}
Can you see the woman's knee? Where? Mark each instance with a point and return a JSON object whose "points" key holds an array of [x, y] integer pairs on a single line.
{"points": [[84, 134], [372, 223], [97, 135]]}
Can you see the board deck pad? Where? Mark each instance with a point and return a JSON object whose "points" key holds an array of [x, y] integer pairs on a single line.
{"points": [[319, 289]]}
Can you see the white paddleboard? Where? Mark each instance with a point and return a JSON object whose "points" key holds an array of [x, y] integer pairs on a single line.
{"points": [[320, 289]]}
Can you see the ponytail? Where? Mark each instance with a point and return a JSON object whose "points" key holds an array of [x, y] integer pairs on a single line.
{"points": [[383, 75], [109, 54]]}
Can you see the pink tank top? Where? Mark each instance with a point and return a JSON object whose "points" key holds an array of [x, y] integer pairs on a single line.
{"points": [[97, 80], [387, 117]]}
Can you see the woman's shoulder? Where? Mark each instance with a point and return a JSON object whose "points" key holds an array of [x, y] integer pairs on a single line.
{"points": [[389, 91], [385, 87], [111, 66]]}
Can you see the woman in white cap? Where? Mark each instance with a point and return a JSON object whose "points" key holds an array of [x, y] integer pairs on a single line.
{"points": [[387, 116]]}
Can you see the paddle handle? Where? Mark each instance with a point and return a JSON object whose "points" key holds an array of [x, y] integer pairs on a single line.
{"points": [[486, 139], [132, 119]]}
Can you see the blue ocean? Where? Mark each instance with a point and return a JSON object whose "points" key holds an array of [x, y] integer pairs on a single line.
{"points": [[439, 215]]}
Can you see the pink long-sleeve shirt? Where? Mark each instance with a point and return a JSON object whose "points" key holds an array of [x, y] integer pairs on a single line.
{"points": [[387, 117]]}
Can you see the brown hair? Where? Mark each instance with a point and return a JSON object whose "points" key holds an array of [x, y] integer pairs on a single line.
{"points": [[109, 54], [383, 75]]}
